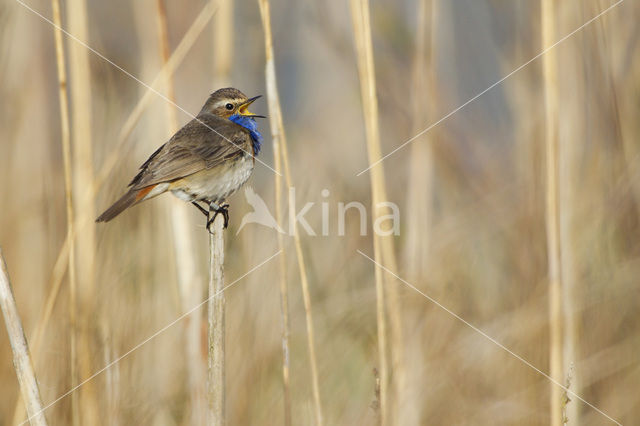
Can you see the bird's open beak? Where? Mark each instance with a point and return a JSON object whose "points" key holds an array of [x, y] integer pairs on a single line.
{"points": [[244, 108]]}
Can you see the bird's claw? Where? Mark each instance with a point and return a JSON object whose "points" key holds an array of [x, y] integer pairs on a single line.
{"points": [[223, 210]]}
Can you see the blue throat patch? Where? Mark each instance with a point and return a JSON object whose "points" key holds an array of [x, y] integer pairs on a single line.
{"points": [[251, 125]]}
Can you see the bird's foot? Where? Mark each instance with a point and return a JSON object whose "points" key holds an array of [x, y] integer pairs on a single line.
{"points": [[222, 209]]}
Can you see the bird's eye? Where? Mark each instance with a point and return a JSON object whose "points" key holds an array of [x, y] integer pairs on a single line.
{"points": [[229, 106]]}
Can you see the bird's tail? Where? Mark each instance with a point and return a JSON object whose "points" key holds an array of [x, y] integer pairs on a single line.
{"points": [[127, 200]]}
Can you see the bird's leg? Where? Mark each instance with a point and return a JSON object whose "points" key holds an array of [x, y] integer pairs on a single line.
{"points": [[202, 209], [210, 218], [222, 209]]}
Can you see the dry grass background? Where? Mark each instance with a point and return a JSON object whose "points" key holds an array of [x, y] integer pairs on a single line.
{"points": [[473, 232]]}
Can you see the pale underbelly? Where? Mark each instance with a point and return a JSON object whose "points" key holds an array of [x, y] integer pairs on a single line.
{"points": [[215, 184]]}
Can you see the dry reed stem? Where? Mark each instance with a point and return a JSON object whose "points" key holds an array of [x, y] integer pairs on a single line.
{"points": [[571, 145], [423, 97], [552, 211], [369, 99], [59, 269], [189, 281], [280, 143], [276, 136], [21, 359], [82, 155], [387, 249], [66, 156], [222, 43], [372, 130], [420, 191], [216, 313], [165, 55], [384, 252], [82, 163], [282, 271], [216, 305]]}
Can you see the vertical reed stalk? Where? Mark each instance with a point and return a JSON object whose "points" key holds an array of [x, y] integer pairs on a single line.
{"points": [[83, 176], [370, 111], [420, 192], [571, 145], [277, 130], [423, 97], [216, 313], [280, 147], [66, 156], [165, 54], [222, 43], [59, 269], [189, 281], [382, 245], [553, 210], [21, 359]]}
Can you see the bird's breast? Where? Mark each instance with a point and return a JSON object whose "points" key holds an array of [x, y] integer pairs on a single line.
{"points": [[214, 184]]}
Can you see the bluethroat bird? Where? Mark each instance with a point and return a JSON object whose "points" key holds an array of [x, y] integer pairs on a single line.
{"points": [[206, 161]]}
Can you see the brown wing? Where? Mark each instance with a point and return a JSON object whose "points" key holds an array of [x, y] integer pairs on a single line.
{"points": [[193, 148]]}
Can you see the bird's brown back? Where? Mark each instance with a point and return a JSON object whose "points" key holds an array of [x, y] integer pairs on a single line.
{"points": [[203, 143]]}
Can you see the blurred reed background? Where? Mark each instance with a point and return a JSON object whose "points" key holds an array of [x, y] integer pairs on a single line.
{"points": [[473, 193]]}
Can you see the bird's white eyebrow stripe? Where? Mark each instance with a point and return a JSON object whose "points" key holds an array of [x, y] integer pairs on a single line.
{"points": [[223, 102]]}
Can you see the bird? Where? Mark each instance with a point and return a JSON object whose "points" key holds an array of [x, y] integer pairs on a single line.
{"points": [[206, 161]]}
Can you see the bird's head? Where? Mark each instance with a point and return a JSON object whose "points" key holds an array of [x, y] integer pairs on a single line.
{"points": [[227, 102]]}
